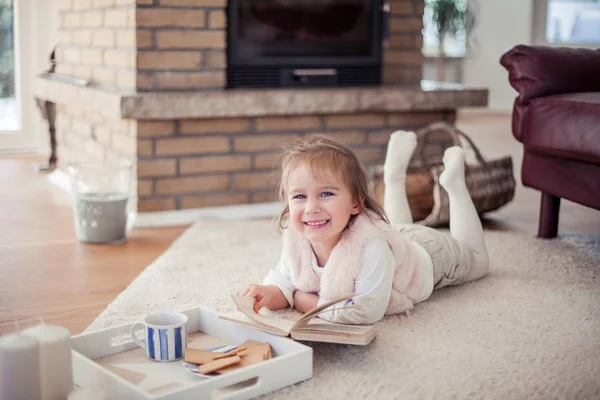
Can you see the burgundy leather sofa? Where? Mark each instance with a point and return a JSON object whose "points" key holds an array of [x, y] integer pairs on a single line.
{"points": [[557, 118]]}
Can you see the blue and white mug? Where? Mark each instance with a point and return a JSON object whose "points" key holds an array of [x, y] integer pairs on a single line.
{"points": [[165, 336]]}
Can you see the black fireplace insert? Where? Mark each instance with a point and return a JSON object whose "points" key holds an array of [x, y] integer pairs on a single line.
{"points": [[304, 43]]}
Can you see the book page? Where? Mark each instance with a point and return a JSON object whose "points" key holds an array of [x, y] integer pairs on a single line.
{"points": [[243, 319], [335, 328], [342, 338], [310, 314], [246, 306]]}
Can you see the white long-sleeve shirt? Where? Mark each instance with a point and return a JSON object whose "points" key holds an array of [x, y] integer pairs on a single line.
{"points": [[373, 284]]}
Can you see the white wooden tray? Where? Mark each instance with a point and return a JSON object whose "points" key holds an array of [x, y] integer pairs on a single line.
{"points": [[122, 370]]}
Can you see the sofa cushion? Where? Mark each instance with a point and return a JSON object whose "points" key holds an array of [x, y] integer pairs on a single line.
{"points": [[565, 126], [537, 71]]}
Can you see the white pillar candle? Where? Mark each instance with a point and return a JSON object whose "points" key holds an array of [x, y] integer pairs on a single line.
{"points": [[19, 368], [56, 370]]}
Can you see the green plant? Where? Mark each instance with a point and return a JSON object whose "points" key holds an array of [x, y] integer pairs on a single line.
{"points": [[7, 60], [7, 74], [450, 18]]}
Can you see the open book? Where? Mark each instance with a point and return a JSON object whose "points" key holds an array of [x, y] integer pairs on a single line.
{"points": [[305, 328]]}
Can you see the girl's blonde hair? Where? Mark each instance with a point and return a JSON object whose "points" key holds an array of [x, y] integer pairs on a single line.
{"points": [[325, 157]]}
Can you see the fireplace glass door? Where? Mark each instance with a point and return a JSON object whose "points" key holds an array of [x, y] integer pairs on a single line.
{"points": [[293, 43], [267, 30]]}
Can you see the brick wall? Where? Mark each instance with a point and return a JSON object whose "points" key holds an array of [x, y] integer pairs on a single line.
{"points": [[216, 162], [97, 41], [87, 135], [402, 57], [181, 44]]}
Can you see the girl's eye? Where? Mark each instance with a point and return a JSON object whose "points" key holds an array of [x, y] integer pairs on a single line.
{"points": [[326, 194], [299, 197]]}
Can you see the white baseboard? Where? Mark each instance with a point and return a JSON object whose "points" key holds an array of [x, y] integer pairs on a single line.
{"points": [[483, 111], [20, 150], [184, 217], [60, 179]]}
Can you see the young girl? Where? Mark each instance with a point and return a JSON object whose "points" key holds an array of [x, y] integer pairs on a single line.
{"points": [[337, 239]]}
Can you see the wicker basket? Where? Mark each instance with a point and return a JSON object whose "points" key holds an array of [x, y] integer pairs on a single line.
{"points": [[491, 183]]}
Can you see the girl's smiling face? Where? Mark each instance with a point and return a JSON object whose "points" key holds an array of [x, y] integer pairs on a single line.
{"points": [[319, 208]]}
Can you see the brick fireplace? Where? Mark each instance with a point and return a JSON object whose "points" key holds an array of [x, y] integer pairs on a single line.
{"points": [[156, 94]]}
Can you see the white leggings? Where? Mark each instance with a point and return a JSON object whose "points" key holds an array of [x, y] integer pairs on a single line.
{"points": [[457, 258]]}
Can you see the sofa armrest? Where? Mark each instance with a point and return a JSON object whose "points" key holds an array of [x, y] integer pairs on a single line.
{"points": [[536, 71]]}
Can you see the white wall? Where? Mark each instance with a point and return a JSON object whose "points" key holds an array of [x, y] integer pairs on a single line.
{"points": [[453, 70], [45, 15], [501, 24], [46, 22]]}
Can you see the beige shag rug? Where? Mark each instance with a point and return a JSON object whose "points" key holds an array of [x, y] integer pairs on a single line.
{"points": [[530, 329]]}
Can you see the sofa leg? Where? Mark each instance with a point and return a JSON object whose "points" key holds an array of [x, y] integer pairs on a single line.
{"points": [[549, 208]]}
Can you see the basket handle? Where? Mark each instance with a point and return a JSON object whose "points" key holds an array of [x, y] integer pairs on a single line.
{"points": [[452, 131], [475, 149]]}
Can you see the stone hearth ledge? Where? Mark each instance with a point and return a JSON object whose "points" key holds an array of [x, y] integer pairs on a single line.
{"points": [[430, 96]]}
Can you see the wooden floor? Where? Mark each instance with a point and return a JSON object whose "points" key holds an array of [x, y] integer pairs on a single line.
{"points": [[45, 272]]}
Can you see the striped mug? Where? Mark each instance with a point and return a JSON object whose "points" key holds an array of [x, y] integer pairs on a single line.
{"points": [[165, 336]]}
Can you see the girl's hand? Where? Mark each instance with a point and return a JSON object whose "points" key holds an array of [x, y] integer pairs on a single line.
{"points": [[266, 296], [304, 301]]}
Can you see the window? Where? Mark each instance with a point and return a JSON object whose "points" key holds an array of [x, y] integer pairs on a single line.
{"points": [[454, 45], [575, 22], [8, 105]]}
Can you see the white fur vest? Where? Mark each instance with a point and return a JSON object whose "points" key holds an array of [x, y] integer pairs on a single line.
{"points": [[344, 263]]}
